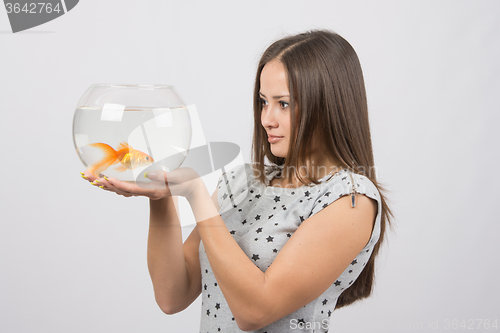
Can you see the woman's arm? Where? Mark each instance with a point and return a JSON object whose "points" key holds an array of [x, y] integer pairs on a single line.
{"points": [[174, 267], [300, 272], [176, 281]]}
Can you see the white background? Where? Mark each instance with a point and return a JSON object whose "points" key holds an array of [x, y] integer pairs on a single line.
{"points": [[73, 257]]}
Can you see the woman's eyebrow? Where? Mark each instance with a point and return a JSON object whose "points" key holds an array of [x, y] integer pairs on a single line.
{"points": [[275, 97]]}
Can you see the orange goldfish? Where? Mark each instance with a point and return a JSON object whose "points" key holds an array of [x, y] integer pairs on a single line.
{"points": [[128, 157]]}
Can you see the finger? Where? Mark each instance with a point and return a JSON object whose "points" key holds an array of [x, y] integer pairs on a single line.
{"points": [[158, 182], [156, 176], [118, 192], [181, 175], [98, 182], [127, 188], [108, 184], [87, 176], [101, 182]]}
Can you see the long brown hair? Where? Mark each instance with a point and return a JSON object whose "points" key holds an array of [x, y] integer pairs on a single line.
{"points": [[327, 102]]}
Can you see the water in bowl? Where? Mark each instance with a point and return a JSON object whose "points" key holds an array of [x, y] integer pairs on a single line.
{"points": [[126, 142]]}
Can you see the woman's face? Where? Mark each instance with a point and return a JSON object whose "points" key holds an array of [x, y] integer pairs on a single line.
{"points": [[275, 99]]}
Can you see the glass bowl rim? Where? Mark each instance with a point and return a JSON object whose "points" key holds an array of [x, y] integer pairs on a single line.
{"points": [[127, 85]]}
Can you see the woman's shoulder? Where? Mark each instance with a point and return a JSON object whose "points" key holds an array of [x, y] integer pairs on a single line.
{"points": [[343, 183], [347, 181]]}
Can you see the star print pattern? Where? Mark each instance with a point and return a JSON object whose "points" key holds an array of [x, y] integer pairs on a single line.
{"points": [[264, 220]]}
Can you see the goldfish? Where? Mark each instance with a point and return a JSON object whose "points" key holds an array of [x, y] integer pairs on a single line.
{"points": [[128, 157]]}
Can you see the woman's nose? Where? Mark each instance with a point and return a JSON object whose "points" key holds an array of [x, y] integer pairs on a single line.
{"points": [[267, 118]]}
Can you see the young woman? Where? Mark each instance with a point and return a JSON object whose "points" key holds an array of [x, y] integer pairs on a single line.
{"points": [[286, 240]]}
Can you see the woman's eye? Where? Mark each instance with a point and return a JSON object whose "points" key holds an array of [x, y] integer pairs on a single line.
{"points": [[283, 105], [263, 102]]}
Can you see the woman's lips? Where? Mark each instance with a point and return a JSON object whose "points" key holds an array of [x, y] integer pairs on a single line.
{"points": [[274, 139]]}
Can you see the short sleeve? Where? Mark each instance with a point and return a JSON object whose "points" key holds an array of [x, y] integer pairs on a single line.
{"points": [[342, 185]]}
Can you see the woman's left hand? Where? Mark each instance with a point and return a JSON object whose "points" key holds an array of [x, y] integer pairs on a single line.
{"points": [[183, 182]]}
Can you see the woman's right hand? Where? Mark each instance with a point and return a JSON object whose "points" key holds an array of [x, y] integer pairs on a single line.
{"points": [[183, 182], [155, 190]]}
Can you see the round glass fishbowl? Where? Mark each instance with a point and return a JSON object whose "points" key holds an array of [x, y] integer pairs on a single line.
{"points": [[123, 131]]}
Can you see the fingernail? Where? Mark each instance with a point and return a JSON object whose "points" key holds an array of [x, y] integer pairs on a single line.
{"points": [[105, 177], [84, 177], [96, 181], [101, 186], [150, 175], [82, 173]]}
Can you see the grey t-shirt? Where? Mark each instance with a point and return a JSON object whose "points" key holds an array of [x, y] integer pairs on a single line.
{"points": [[261, 219]]}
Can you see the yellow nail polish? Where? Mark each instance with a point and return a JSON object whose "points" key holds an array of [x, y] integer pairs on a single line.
{"points": [[105, 177], [146, 174], [101, 186], [84, 177], [96, 181], [82, 173]]}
